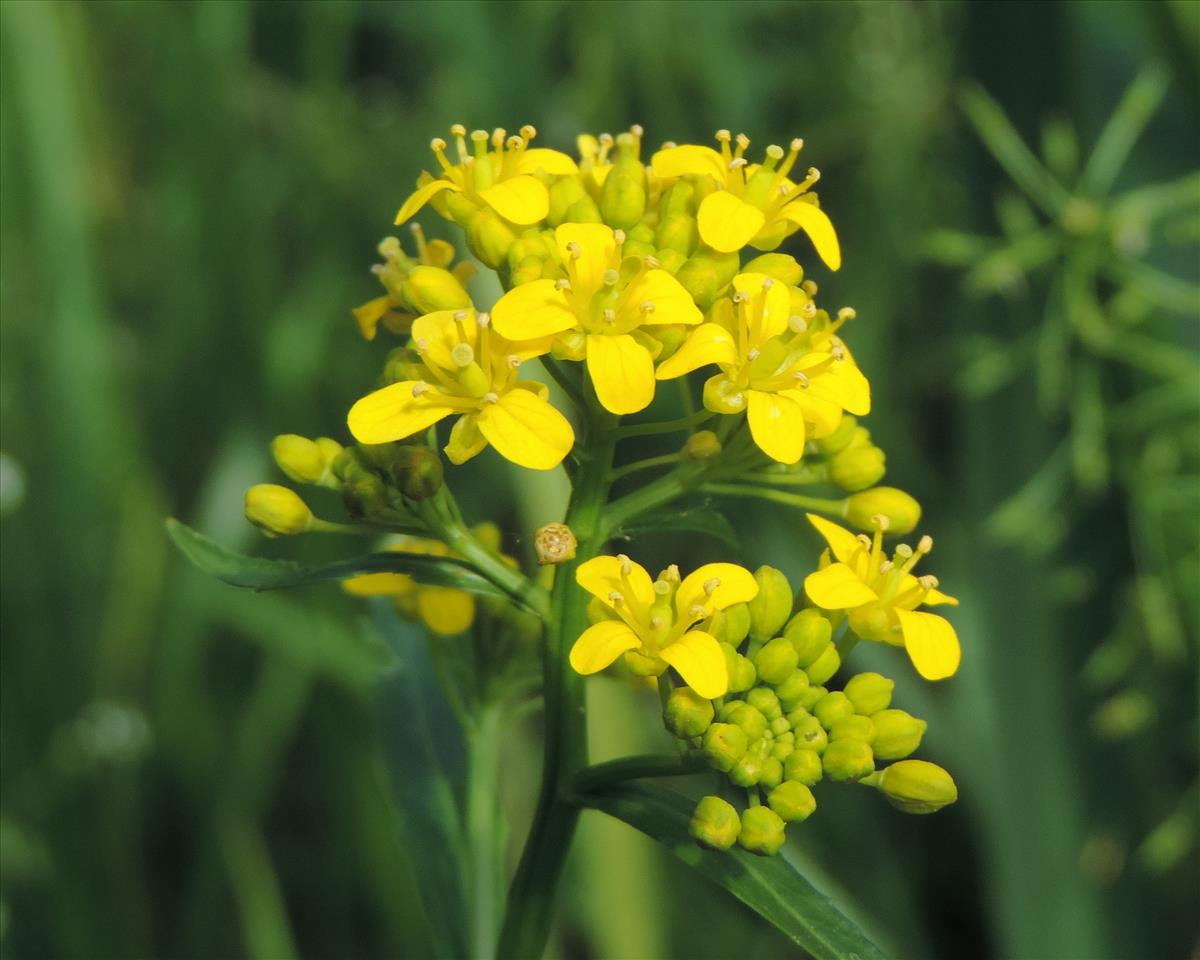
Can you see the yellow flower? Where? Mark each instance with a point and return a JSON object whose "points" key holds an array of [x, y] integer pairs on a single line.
{"points": [[444, 610], [784, 372], [881, 596], [502, 179], [466, 368], [754, 204], [656, 618], [597, 311]]}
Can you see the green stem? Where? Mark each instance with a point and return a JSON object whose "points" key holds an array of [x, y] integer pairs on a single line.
{"points": [[666, 460], [665, 426], [595, 778], [835, 508], [484, 830]]}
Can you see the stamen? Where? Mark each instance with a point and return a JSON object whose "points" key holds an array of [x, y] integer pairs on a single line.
{"points": [[490, 397], [738, 162], [864, 540], [626, 564], [422, 345], [671, 574], [797, 324], [529, 131], [562, 284], [483, 319], [610, 315], [886, 566], [711, 585], [801, 378], [881, 521], [457, 130], [652, 263], [809, 287], [498, 136], [925, 544], [513, 361], [740, 296], [697, 611], [753, 354], [514, 143], [618, 237], [419, 388], [809, 309], [460, 316], [723, 136], [573, 250], [646, 306], [929, 581], [838, 352], [847, 313], [615, 598]]}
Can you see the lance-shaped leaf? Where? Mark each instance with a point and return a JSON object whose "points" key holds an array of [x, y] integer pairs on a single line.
{"points": [[697, 520]]}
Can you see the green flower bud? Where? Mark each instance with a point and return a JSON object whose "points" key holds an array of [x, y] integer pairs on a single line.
{"points": [[677, 199], [832, 707], [724, 745], [791, 689], [825, 666], [869, 692], [584, 210], [793, 801], [807, 700], [810, 735], [678, 233], [779, 726], [427, 289], [810, 634], [687, 714], [803, 766], [671, 260], [781, 266], [623, 196], [564, 192], [702, 445], [772, 773], [277, 511], [364, 495], [722, 395], [642, 233], [715, 823], [772, 605], [748, 718], [706, 274], [301, 459], [762, 831], [776, 661], [840, 438], [785, 743], [765, 702], [641, 665], [852, 728], [732, 625], [903, 512], [796, 716], [742, 675], [916, 786], [489, 238], [417, 472], [377, 456], [747, 771], [847, 760], [897, 734], [857, 468]]}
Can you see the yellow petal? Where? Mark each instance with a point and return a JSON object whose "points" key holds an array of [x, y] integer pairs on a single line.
{"points": [[837, 587], [438, 333], [734, 585], [601, 577], [466, 440], [697, 657], [622, 372], [446, 611], [527, 430], [931, 642], [421, 196], [727, 223], [813, 221], [822, 416], [600, 644], [772, 319], [379, 585], [393, 413], [687, 159], [531, 311], [935, 598], [844, 384], [553, 162], [708, 343], [777, 425], [845, 545], [591, 249], [672, 303], [369, 313], [521, 199]]}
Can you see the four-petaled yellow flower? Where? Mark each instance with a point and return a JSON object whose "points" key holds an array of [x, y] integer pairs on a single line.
{"points": [[777, 369], [597, 311], [754, 204], [656, 618], [880, 596], [466, 368], [502, 179]]}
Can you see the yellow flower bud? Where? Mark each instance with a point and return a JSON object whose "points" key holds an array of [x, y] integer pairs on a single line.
{"points": [[903, 511], [791, 689], [897, 734], [793, 801], [687, 714], [724, 745], [780, 726], [803, 766], [277, 511], [762, 831], [765, 702], [857, 468], [825, 666], [427, 289], [706, 274], [810, 633], [847, 760], [722, 395], [554, 543], [671, 260], [623, 196], [677, 199], [832, 707], [854, 727], [810, 735], [841, 436], [916, 786], [669, 335], [732, 625], [417, 472], [780, 266], [715, 823], [702, 445], [772, 605], [772, 773], [776, 660], [584, 210], [641, 665], [301, 459], [679, 233], [869, 692]]}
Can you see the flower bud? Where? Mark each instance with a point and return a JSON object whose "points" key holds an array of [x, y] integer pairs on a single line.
{"points": [[584, 210], [748, 770], [791, 689], [301, 459], [854, 727], [702, 445], [810, 735], [780, 727], [857, 468], [671, 260], [732, 625], [780, 266], [869, 692], [752, 722], [687, 714], [724, 745], [706, 274], [807, 700], [832, 707], [598, 610], [417, 471], [489, 238], [564, 192], [772, 605], [765, 702], [427, 289], [641, 665], [722, 395], [825, 666], [364, 495], [762, 831], [678, 233], [277, 511], [623, 196], [810, 634], [841, 436], [803, 766], [677, 199], [793, 801], [715, 823], [776, 661], [903, 512], [847, 760], [772, 773], [916, 786], [554, 543], [669, 335], [897, 734]]}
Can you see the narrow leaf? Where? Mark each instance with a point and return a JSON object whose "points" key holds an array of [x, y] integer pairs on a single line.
{"points": [[700, 520]]}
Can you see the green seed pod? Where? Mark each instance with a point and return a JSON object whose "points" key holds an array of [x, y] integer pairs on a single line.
{"points": [[772, 605], [810, 634], [679, 233], [793, 801], [749, 719], [779, 726], [782, 267], [847, 760], [810, 735], [897, 734], [857, 468], [832, 707], [724, 745], [903, 512], [803, 766], [776, 661], [732, 625], [564, 192], [772, 773], [791, 689], [623, 196], [277, 511], [854, 727], [825, 666], [762, 831], [706, 274], [916, 786], [765, 702], [841, 436], [747, 771], [869, 692], [715, 823], [417, 472], [427, 289], [687, 714]]}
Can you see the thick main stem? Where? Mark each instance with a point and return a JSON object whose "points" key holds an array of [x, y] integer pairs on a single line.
{"points": [[484, 833]]}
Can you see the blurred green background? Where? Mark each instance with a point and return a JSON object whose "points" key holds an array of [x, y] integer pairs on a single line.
{"points": [[192, 194]]}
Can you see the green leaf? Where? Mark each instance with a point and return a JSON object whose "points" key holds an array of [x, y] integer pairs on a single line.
{"points": [[262, 573], [770, 886], [701, 520]]}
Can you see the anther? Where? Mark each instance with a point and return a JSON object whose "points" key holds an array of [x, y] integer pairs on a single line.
{"points": [[646, 306], [797, 324], [925, 544], [797, 144], [458, 130], [809, 309], [767, 283], [652, 263], [881, 521], [801, 378], [605, 140], [610, 278], [752, 353], [514, 143], [483, 319], [491, 397], [637, 130], [479, 136], [460, 315], [847, 313], [838, 352], [498, 136], [886, 566], [573, 250], [711, 585], [618, 237], [671, 574], [422, 345], [809, 287], [929, 581], [813, 175], [615, 598], [738, 162], [610, 315], [740, 296], [513, 361], [419, 388], [723, 136], [626, 564], [864, 540], [437, 144], [743, 141], [529, 131], [697, 611], [562, 284]]}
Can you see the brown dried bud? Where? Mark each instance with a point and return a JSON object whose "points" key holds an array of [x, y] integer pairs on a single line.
{"points": [[554, 543]]}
